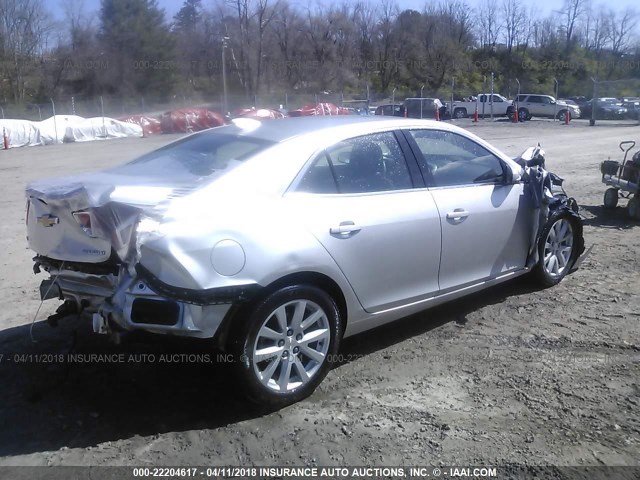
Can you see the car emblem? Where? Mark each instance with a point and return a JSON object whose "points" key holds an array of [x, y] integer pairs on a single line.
{"points": [[48, 220]]}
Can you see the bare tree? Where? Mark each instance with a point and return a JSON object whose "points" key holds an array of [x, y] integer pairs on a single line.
{"points": [[572, 11], [514, 22], [289, 42], [364, 16], [265, 12], [24, 30], [489, 23], [386, 43], [459, 20], [621, 26]]}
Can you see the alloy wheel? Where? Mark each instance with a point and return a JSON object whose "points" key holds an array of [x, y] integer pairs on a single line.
{"points": [[291, 345], [558, 248]]}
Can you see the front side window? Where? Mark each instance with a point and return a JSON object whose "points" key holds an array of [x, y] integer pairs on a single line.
{"points": [[371, 163], [456, 160]]}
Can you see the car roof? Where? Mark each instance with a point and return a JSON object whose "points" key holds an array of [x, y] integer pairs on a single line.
{"points": [[284, 129]]}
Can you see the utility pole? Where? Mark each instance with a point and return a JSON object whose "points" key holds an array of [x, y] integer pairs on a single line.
{"points": [[594, 103], [453, 84], [515, 104], [393, 102], [555, 105], [225, 104], [491, 98]]}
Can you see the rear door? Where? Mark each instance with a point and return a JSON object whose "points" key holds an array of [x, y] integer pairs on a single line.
{"points": [[535, 106], [362, 202], [485, 219]]}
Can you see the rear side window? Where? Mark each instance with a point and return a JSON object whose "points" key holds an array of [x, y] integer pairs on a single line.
{"points": [[454, 160], [196, 157], [319, 177], [366, 164]]}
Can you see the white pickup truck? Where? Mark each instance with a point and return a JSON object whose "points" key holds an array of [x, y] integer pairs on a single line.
{"points": [[463, 109]]}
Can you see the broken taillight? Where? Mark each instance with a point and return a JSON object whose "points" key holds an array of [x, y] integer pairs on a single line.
{"points": [[84, 220]]}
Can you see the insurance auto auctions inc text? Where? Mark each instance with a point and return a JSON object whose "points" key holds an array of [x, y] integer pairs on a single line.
{"points": [[375, 472]]}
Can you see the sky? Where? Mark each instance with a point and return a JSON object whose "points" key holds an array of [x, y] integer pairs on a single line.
{"points": [[171, 7]]}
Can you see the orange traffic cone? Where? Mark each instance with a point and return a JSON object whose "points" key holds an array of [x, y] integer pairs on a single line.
{"points": [[475, 116], [567, 117]]}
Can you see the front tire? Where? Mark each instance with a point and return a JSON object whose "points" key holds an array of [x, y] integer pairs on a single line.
{"points": [[557, 249], [287, 344], [611, 198]]}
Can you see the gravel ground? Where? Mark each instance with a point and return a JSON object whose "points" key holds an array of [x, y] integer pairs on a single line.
{"points": [[512, 375]]}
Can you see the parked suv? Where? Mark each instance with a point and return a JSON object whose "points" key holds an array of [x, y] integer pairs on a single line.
{"points": [[534, 105]]}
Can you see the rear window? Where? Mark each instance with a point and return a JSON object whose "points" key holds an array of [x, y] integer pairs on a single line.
{"points": [[201, 156]]}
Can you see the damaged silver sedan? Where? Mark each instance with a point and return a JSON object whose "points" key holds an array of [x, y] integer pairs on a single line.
{"points": [[278, 239]]}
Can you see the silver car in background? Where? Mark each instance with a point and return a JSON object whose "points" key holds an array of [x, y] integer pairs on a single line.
{"points": [[278, 239]]}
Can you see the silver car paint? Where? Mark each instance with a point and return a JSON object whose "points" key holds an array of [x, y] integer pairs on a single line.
{"points": [[388, 258], [283, 233], [491, 238]]}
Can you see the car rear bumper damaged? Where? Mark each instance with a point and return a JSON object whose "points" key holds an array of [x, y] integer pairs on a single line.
{"points": [[119, 301]]}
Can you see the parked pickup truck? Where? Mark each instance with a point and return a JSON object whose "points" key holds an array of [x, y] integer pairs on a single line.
{"points": [[466, 108]]}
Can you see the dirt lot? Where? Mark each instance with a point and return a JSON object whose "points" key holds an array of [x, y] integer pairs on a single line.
{"points": [[512, 375]]}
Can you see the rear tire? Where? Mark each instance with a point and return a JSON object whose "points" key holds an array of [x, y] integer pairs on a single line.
{"points": [[286, 344], [557, 249], [611, 198], [460, 113], [523, 115]]}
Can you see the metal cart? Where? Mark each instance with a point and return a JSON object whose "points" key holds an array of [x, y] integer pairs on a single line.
{"points": [[623, 180]]}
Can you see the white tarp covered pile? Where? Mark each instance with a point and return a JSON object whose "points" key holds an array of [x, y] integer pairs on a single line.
{"points": [[100, 128], [52, 129], [20, 133], [65, 128]]}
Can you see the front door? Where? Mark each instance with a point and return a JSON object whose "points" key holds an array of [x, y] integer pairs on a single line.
{"points": [[485, 221]]}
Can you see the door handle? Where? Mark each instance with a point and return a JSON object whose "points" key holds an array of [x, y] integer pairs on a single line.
{"points": [[345, 228], [458, 214]]}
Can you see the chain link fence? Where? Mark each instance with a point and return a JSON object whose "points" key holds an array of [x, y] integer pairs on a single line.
{"points": [[613, 102], [624, 95]]}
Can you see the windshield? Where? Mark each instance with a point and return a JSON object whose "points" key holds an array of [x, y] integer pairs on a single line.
{"points": [[198, 157]]}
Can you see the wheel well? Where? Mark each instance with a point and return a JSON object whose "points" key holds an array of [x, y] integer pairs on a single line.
{"points": [[318, 280], [224, 333]]}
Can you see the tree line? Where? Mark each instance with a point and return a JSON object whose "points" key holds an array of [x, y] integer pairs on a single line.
{"points": [[132, 48]]}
